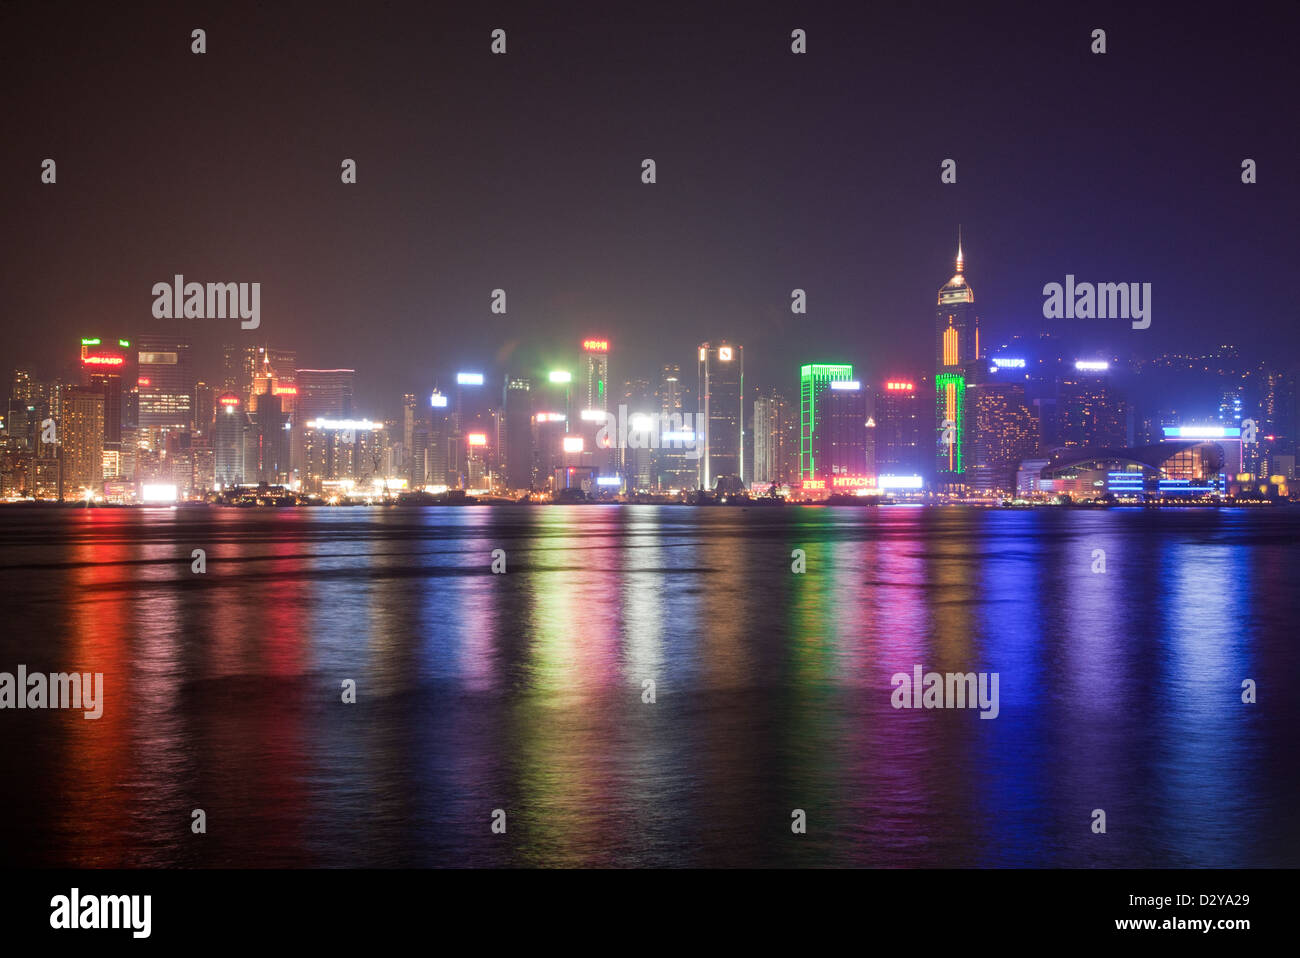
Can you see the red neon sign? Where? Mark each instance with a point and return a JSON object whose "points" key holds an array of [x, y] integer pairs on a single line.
{"points": [[854, 481], [103, 360], [899, 386], [596, 345], [229, 400], [144, 381], [809, 484], [286, 390]]}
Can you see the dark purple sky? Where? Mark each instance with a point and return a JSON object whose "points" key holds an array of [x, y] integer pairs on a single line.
{"points": [[523, 172]]}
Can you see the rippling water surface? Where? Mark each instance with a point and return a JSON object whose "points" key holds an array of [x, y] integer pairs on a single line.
{"points": [[524, 691]]}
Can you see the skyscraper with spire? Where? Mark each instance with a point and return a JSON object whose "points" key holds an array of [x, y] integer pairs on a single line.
{"points": [[957, 345]]}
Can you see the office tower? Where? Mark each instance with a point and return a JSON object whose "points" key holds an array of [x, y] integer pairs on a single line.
{"points": [[81, 434], [21, 386], [106, 366], [815, 381], [468, 414], [1090, 410], [766, 434], [244, 366], [956, 346], [595, 359], [1001, 433], [166, 384], [324, 393], [271, 424], [205, 407], [239, 369], [281, 365], [341, 449], [229, 430], [673, 463], [415, 438], [437, 454], [775, 432], [204, 464], [902, 431], [600, 445], [721, 412], [550, 430], [409, 416], [639, 405], [517, 401], [839, 438]]}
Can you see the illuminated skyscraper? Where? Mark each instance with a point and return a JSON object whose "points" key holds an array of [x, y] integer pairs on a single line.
{"points": [[721, 412], [768, 414], [902, 434], [107, 365], [815, 381], [595, 357], [205, 401], [840, 437], [517, 400], [324, 393], [437, 454], [166, 383], [228, 440], [1090, 409], [956, 345], [673, 466], [81, 433], [1001, 433]]}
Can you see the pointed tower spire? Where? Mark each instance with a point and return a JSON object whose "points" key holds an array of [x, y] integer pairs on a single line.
{"points": [[961, 266]]}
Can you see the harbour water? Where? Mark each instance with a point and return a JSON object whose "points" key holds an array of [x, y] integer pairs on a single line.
{"points": [[649, 685]]}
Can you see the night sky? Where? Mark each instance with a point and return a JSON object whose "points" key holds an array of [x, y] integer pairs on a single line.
{"points": [[522, 171]]}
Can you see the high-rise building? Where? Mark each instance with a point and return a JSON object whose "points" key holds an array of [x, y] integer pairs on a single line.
{"points": [[238, 371], [106, 365], [641, 434], [336, 449], [674, 465], [902, 431], [324, 393], [229, 431], [205, 407], [271, 424], [595, 360], [1001, 432], [517, 401], [956, 347], [438, 456], [815, 381], [721, 412], [839, 440], [550, 432], [775, 438], [415, 437], [166, 384], [1090, 410], [767, 439], [81, 434]]}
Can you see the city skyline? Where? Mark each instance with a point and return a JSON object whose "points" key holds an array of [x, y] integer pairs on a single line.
{"points": [[1004, 416]]}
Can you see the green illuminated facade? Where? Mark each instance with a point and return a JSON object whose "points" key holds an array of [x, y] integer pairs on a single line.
{"points": [[951, 405], [814, 381]]}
